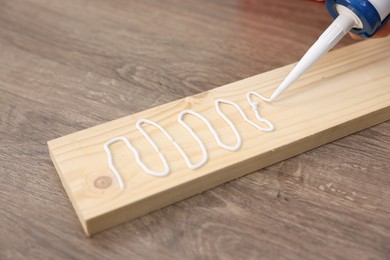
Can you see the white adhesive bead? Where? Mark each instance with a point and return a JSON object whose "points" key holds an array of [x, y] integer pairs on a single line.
{"points": [[254, 106]]}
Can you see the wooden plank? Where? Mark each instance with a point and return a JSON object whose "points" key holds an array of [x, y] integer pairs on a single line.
{"points": [[345, 92]]}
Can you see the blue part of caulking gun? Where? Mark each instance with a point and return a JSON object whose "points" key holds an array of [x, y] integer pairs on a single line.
{"points": [[372, 15]]}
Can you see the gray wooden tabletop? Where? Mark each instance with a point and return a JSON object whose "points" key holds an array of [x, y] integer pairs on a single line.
{"points": [[69, 65]]}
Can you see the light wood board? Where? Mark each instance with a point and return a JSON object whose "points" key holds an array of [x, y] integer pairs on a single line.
{"points": [[347, 91]]}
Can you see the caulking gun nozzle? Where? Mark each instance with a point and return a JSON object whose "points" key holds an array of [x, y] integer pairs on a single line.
{"points": [[325, 42]]}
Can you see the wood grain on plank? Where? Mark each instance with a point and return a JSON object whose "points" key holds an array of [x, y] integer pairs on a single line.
{"points": [[70, 65], [345, 93]]}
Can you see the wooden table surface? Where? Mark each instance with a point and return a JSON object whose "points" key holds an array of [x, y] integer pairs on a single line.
{"points": [[69, 65]]}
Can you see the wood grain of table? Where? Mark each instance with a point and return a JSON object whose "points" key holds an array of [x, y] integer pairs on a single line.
{"points": [[69, 65]]}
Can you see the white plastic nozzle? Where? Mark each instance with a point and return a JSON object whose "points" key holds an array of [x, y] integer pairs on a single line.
{"points": [[332, 35]]}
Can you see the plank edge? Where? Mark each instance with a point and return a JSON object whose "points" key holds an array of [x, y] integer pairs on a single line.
{"points": [[67, 190]]}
